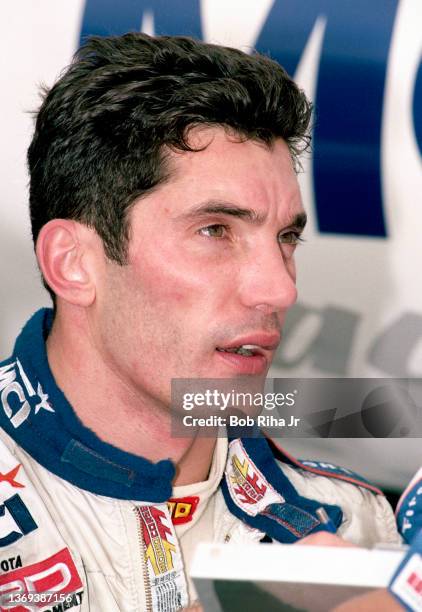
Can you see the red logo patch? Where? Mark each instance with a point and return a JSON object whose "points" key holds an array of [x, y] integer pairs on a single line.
{"points": [[10, 477], [57, 574], [182, 509]]}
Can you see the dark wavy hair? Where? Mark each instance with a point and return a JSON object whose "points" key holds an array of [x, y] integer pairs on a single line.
{"points": [[102, 130]]}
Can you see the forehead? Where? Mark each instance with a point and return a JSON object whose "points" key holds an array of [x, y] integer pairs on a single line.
{"points": [[224, 168], [226, 160]]}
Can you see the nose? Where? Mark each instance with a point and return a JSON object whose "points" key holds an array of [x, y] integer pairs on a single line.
{"points": [[268, 281]]}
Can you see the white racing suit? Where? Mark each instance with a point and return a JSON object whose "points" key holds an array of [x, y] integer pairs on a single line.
{"points": [[86, 526]]}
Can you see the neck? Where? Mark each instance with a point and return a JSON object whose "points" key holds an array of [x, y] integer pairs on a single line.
{"points": [[116, 413]]}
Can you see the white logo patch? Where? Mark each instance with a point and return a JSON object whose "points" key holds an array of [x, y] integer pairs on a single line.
{"points": [[9, 386]]}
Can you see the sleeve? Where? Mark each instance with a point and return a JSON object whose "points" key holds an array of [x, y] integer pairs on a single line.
{"points": [[367, 517], [409, 509]]}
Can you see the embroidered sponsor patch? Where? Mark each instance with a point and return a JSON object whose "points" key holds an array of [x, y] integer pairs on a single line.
{"points": [[182, 509], [15, 520], [18, 396], [248, 487], [37, 583], [159, 549], [163, 559]]}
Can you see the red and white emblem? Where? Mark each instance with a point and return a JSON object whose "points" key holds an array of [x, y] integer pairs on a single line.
{"points": [[248, 487]]}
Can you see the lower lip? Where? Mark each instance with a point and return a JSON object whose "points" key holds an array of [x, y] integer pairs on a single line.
{"points": [[255, 364]]}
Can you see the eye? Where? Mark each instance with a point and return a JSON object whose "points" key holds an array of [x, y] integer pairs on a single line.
{"points": [[217, 230], [292, 237]]}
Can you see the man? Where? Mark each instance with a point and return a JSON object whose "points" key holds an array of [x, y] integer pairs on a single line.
{"points": [[165, 212]]}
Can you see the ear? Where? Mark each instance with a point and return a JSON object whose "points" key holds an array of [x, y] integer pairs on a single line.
{"points": [[66, 253]]}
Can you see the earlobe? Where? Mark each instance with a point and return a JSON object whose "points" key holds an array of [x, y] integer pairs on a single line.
{"points": [[63, 256]]}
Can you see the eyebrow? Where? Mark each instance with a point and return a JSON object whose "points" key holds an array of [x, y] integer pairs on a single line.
{"points": [[248, 214]]}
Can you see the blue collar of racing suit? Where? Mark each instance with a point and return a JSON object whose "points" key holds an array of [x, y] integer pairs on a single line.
{"points": [[37, 415]]}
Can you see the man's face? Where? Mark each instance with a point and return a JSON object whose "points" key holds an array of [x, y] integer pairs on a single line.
{"points": [[210, 268]]}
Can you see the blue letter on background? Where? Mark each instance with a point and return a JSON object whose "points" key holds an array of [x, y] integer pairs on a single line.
{"points": [[349, 94], [349, 102]]}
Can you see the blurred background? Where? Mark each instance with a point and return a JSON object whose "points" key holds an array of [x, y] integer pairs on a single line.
{"points": [[360, 307]]}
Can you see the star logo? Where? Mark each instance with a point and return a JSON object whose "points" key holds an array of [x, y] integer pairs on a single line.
{"points": [[43, 404], [10, 477]]}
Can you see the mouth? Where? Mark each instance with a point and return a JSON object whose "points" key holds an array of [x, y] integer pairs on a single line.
{"points": [[246, 350], [252, 356]]}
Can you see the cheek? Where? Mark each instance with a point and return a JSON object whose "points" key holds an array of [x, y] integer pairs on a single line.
{"points": [[181, 281], [169, 289]]}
